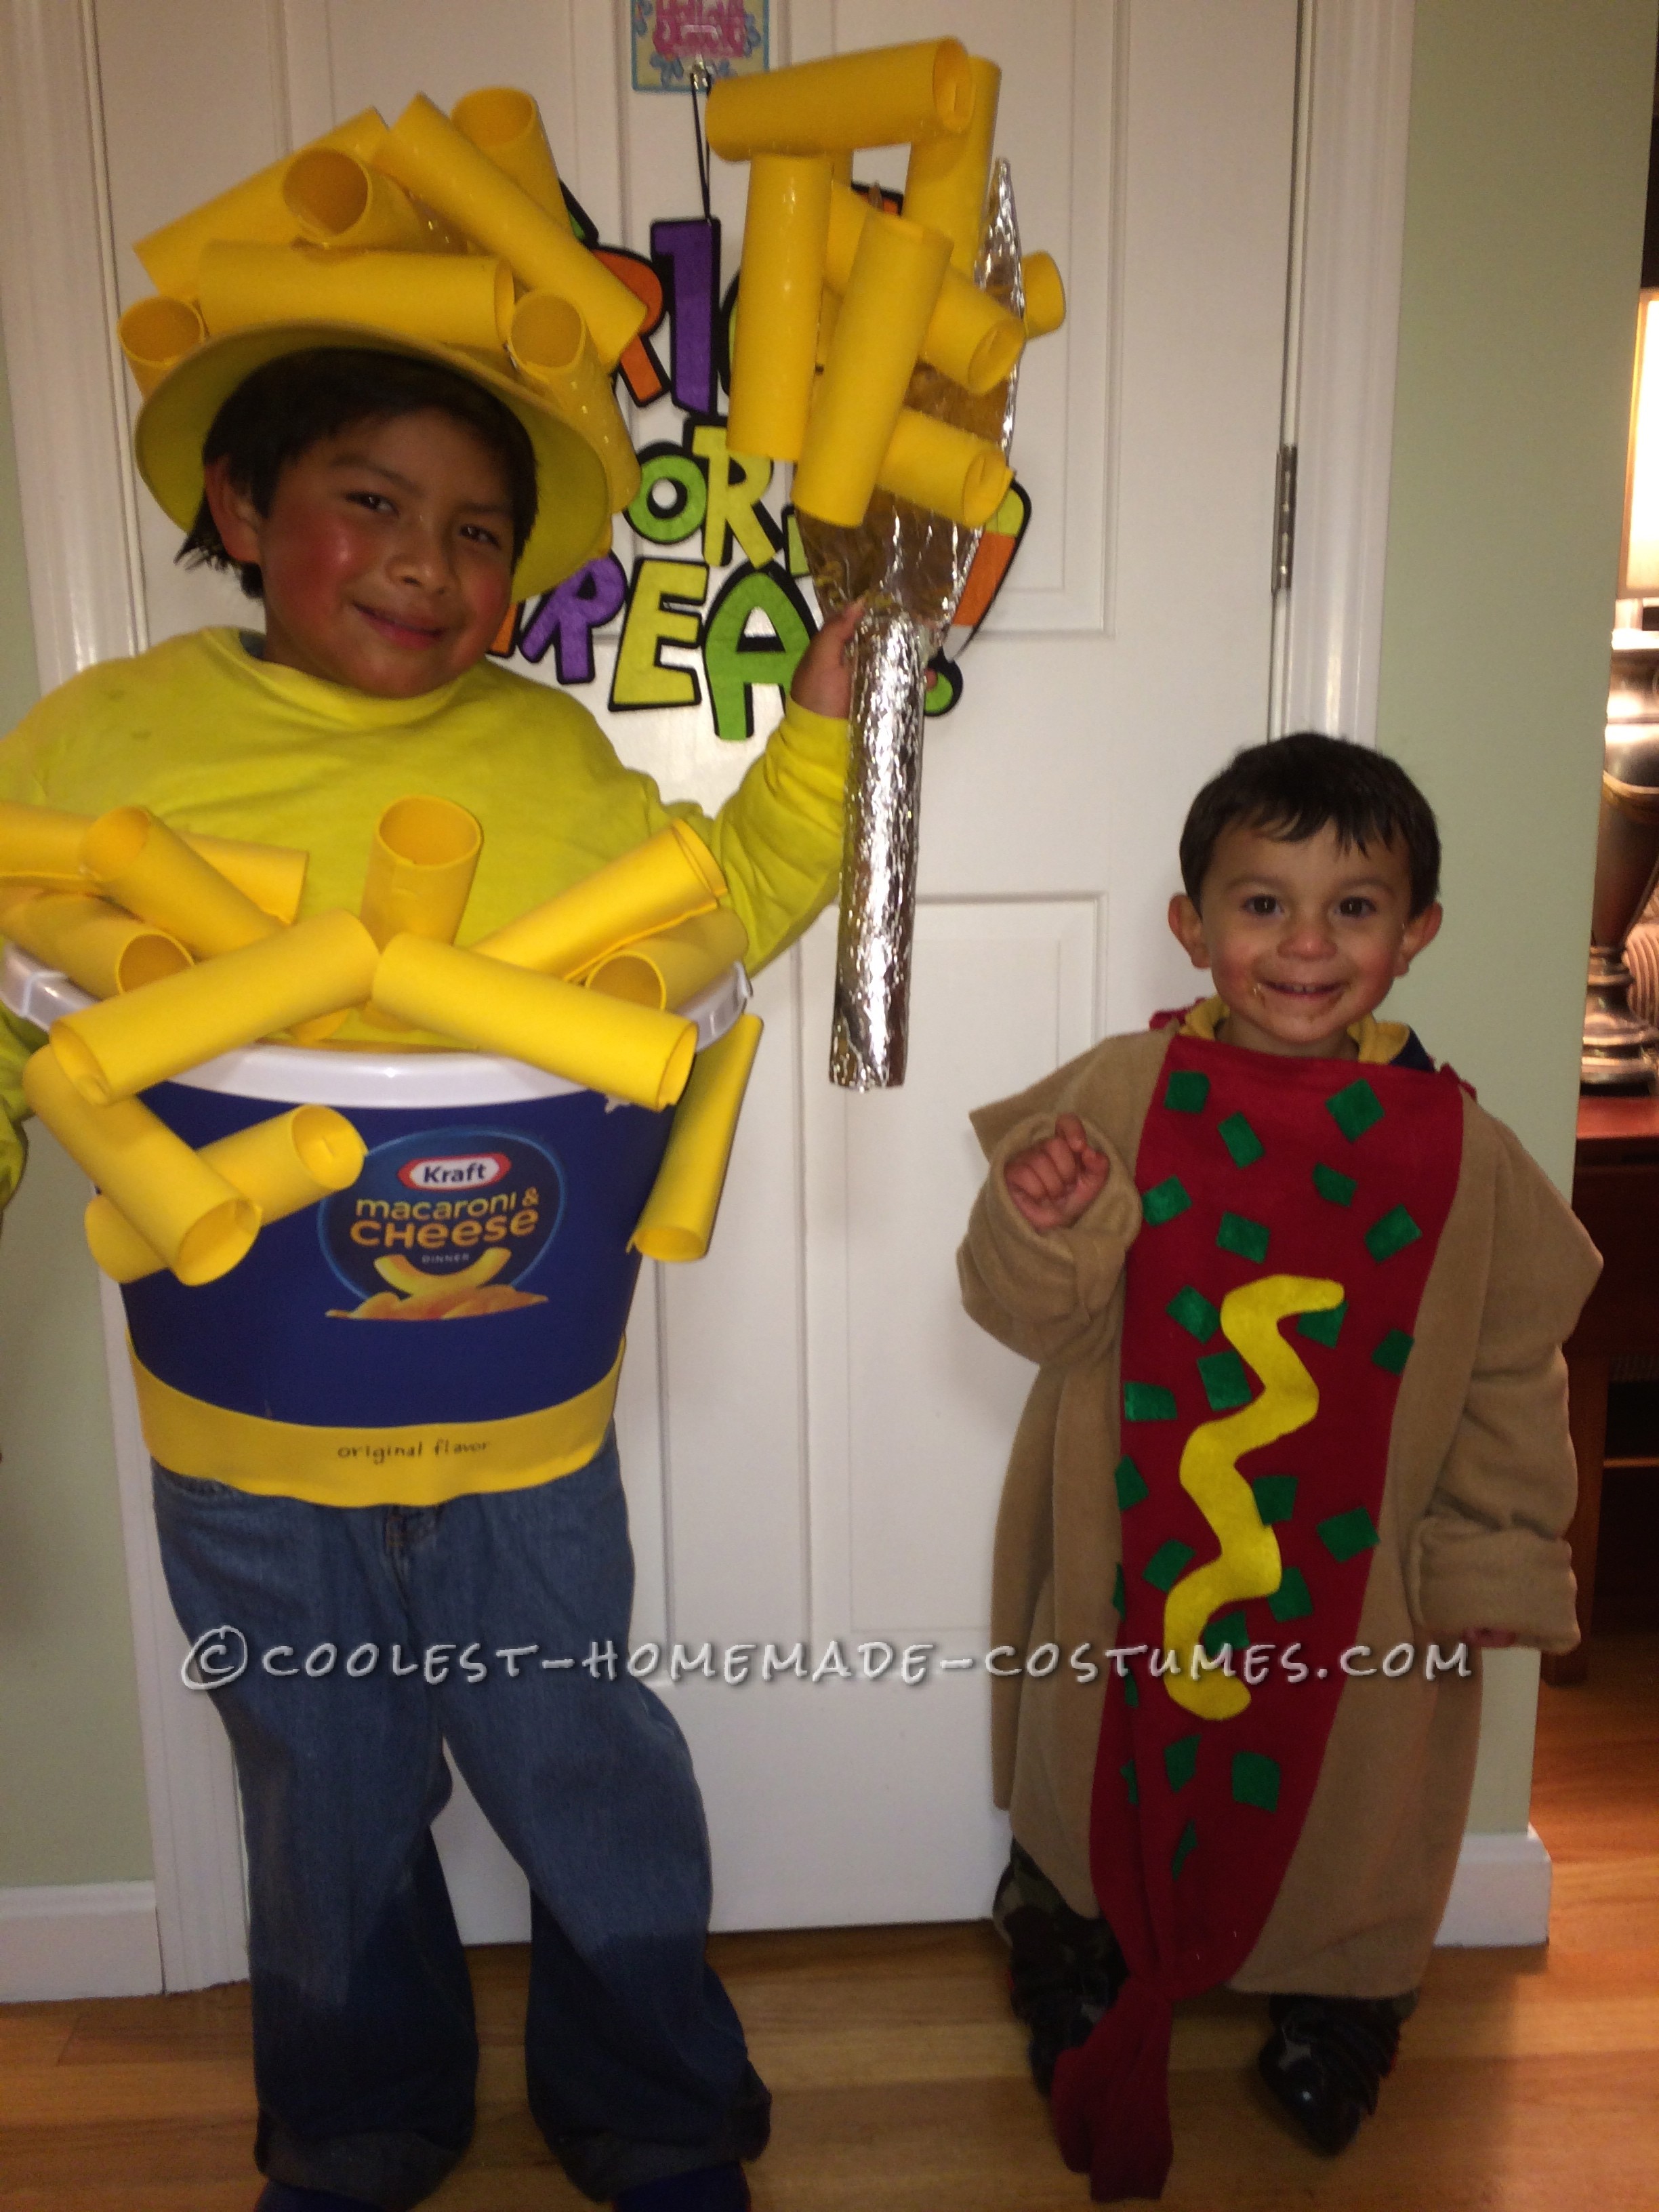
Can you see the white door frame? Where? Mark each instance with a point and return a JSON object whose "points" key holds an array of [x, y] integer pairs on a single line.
{"points": [[78, 501]]}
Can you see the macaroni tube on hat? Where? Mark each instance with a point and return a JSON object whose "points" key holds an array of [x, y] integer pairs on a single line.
{"points": [[316, 968], [506, 124], [155, 335], [627, 1052], [175, 419], [149, 869], [430, 158], [182, 1207], [884, 96], [94, 944], [671, 966], [679, 1219], [944, 183], [551, 346], [448, 299], [971, 338], [664, 880], [774, 348], [339, 201], [280, 1166]]}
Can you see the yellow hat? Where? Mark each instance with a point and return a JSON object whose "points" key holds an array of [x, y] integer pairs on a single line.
{"points": [[572, 512]]}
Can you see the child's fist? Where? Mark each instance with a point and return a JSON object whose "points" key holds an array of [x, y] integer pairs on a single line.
{"points": [[824, 675], [1053, 1183]]}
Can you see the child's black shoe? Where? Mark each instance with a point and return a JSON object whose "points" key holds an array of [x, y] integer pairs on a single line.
{"points": [[1064, 1971], [1326, 2058], [710, 2189], [283, 2197]]}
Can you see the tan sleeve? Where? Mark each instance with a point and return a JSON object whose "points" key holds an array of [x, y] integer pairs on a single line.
{"points": [[1489, 1552]]}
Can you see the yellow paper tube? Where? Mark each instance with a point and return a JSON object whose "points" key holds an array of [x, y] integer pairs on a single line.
{"points": [[420, 866], [455, 299], [430, 157], [668, 878], [337, 201], [679, 1219], [254, 211], [315, 968], [183, 1209], [506, 124], [890, 297], [628, 1052], [272, 876], [670, 966], [41, 845], [95, 944], [551, 346], [971, 338], [155, 335], [148, 868], [279, 1166], [1045, 295], [884, 96], [776, 346], [945, 184], [948, 471]]}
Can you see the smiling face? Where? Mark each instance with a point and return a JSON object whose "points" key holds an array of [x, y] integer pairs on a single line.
{"points": [[1301, 938], [386, 555]]}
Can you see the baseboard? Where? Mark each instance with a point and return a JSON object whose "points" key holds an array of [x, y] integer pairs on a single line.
{"points": [[96, 1939], [1501, 1892]]}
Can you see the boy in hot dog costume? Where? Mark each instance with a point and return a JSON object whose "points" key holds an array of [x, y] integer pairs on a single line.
{"points": [[1300, 1432], [388, 500]]}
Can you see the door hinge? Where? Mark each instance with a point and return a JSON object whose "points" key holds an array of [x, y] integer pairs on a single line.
{"points": [[1284, 519]]}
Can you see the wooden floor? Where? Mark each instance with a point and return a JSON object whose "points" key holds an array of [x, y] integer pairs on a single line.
{"points": [[1528, 2081]]}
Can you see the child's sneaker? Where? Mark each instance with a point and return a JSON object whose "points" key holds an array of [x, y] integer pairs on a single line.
{"points": [[1064, 1971], [710, 2189], [1326, 2058]]}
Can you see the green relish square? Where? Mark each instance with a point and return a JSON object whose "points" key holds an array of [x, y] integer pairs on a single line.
{"points": [[1226, 1380], [1246, 1237], [1184, 1849], [1291, 1601], [1194, 1313], [1167, 1565], [1127, 1770], [1345, 1535], [1275, 1497], [1164, 1201], [1148, 1401], [1242, 1143], [1186, 1091], [1355, 1109], [1227, 1632], [1330, 1183], [1391, 1234], [1394, 1351], [1323, 1327], [1131, 1691], [1131, 1484], [1256, 1780], [1120, 1595], [1181, 1760]]}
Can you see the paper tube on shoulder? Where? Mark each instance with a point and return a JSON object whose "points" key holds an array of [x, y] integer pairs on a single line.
{"points": [[775, 347], [890, 294], [506, 124], [948, 471], [183, 1209], [280, 1166], [679, 1219], [155, 335], [455, 299], [628, 1052], [95, 944], [671, 966], [1045, 295], [148, 868], [254, 210], [430, 158], [339, 201], [884, 96], [970, 337], [945, 184], [550, 343], [318, 968], [668, 878]]}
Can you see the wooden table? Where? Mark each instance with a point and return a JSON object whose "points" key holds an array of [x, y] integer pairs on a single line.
{"points": [[1615, 1194]]}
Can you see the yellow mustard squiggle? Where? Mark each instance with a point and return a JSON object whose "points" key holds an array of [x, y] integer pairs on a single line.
{"points": [[1249, 1565]]}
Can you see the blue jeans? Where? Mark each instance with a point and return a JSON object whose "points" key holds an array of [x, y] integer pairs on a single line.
{"points": [[365, 2051]]}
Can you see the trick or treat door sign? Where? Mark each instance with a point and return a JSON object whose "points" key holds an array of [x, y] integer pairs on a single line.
{"points": [[812, 1434]]}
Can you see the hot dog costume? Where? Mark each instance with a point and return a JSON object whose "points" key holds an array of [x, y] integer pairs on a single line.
{"points": [[1300, 1382]]}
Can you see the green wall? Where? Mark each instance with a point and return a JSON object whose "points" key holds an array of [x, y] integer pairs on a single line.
{"points": [[1525, 191]]}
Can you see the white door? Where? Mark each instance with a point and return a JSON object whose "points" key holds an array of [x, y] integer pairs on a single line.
{"points": [[813, 1435]]}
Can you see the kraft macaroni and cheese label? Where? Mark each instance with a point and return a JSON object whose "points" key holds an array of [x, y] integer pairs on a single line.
{"points": [[495, 1236], [446, 1223]]}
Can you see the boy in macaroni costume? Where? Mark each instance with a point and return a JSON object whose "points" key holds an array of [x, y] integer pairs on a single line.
{"points": [[1299, 1304], [389, 498]]}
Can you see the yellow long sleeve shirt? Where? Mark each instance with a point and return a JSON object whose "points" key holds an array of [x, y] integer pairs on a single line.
{"points": [[221, 744]]}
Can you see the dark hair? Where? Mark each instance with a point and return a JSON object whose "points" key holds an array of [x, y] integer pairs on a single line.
{"points": [[1295, 787], [282, 410]]}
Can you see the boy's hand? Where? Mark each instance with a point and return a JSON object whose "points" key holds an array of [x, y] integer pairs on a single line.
{"points": [[1490, 1640], [823, 676], [1053, 1183]]}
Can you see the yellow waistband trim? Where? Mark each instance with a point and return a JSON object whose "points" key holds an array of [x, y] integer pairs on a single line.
{"points": [[426, 1465]]}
